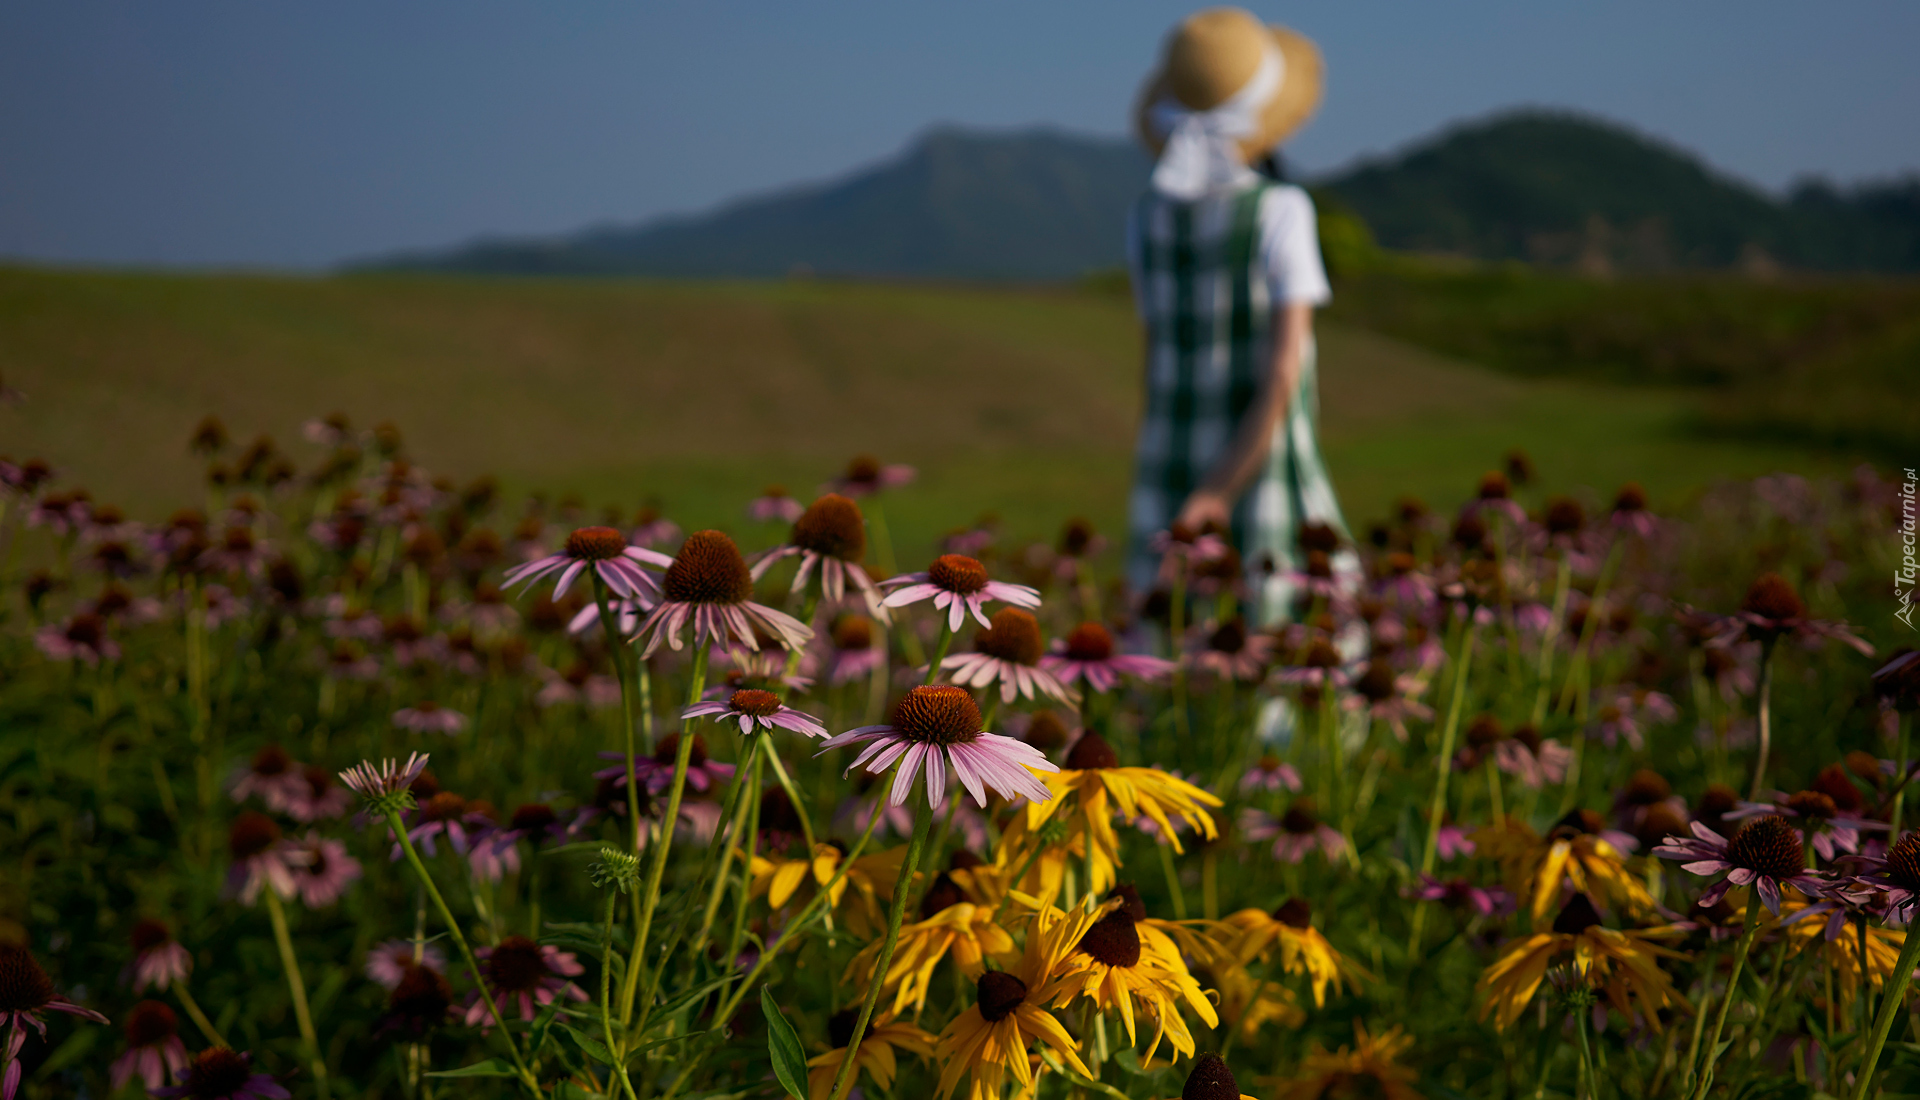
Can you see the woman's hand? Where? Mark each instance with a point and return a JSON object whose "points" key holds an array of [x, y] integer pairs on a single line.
{"points": [[1204, 506]]}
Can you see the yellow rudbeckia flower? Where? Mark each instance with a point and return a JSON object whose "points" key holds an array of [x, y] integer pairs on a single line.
{"points": [[1099, 787], [1303, 950], [1625, 966], [947, 924], [1574, 851], [989, 1040], [871, 877], [1120, 962], [876, 1055]]}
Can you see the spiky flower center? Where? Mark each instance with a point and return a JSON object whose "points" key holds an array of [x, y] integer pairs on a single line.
{"points": [[1773, 597], [516, 965], [1903, 862], [940, 715], [943, 894], [533, 815], [149, 1023], [422, 994], [1231, 637], [1014, 636], [23, 985], [319, 780], [853, 632], [1376, 684], [148, 934], [87, 629], [753, 701], [958, 574], [708, 569], [252, 833], [1322, 654], [998, 994], [1091, 753], [444, 806], [271, 760], [863, 470], [1717, 799], [1295, 913], [1210, 1080], [1767, 846], [1299, 818], [1485, 730], [1576, 916], [1113, 940], [1565, 516], [1494, 486], [1812, 804], [595, 544], [1130, 903], [832, 526], [1631, 498], [1076, 537], [216, 1073], [1089, 642], [840, 1027], [1320, 537], [1046, 731], [1833, 782], [1646, 787]]}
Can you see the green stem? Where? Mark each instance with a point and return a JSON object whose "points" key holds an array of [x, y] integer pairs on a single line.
{"points": [[1585, 1086], [1176, 635], [1443, 763], [922, 824], [793, 795], [1764, 716], [1890, 1008], [609, 627], [738, 935], [1740, 951], [1548, 637], [1900, 797], [933, 666], [1173, 881], [466, 950], [198, 1017], [278, 915]]}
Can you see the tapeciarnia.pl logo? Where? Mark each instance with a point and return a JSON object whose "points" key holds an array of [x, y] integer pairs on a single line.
{"points": [[1904, 574]]}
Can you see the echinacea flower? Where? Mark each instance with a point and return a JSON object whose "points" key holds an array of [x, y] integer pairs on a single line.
{"points": [[1388, 696], [220, 1073], [831, 539], [81, 638], [314, 795], [158, 959], [1294, 833], [444, 813], [1230, 652], [1626, 965], [606, 552], [260, 858], [525, 975], [428, 716], [1765, 854], [270, 777], [1087, 653], [773, 505], [1630, 511], [1897, 875], [989, 1040], [154, 1051], [936, 728], [387, 962], [1303, 949], [1460, 893], [1815, 813], [1008, 651], [1533, 760], [1120, 964], [1773, 610], [960, 586], [755, 709], [1321, 666], [854, 655], [709, 586], [655, 772], [865, 475], [326, 872], [1270, 773], [387, 785], [419, 1002], [25, 993], [884, 1035]]}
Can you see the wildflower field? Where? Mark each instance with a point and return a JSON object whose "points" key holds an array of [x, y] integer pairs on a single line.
{"points": [[355, 780]]}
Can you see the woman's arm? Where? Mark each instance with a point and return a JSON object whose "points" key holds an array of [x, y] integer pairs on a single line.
{"points": [[1230, 476]]}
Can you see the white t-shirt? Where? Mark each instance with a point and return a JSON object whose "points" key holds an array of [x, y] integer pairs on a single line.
{"points": [[1289, 247]]}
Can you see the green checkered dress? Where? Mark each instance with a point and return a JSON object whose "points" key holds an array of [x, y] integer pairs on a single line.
{"points": [[1203, 295]]}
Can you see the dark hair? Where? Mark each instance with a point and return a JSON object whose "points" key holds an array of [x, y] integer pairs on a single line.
{"points": [[1272, 166]]}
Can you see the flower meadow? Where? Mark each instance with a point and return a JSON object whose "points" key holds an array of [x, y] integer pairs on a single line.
{"points": [[356, 781]]}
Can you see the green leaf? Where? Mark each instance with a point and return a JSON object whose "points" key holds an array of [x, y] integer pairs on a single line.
{"points": [[567, 1090], [492, 1067], [589, 1046], [537, 1038], [783, 1043]]}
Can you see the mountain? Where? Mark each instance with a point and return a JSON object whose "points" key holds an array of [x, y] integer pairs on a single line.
{"points": [[1554, 188]]}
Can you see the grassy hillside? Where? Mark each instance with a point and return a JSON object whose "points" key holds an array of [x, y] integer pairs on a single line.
{"points": [[693, 396]]}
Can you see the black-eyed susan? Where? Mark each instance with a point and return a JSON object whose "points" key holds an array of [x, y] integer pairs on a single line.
{"points": [[1624, 966], [1368, 1068], [871, 877], [1579, 852], [1093, 787], [1838, 940], [949, 924], [1120, 964], [989, 1041], [877, 1054], [1211, 1079], [1303, 950]]}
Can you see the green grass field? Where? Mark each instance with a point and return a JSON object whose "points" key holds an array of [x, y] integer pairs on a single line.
{"points": [[692, 396]]}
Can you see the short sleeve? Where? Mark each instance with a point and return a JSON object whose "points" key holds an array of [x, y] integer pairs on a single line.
{"points": [[1290, 248]]}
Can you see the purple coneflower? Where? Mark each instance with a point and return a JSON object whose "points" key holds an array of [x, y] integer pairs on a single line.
{"points": [[1452, 841], [709, 585], [81, 638], [958, 585], [388, 782], [763, 669], [525, 974], [1624, 714], [831, 539], [1230, 652], [1533, 760], [443, 814], [938, 727], [656, 771], [1087, 653], [607, 553], [1388, 696], [1630, 511], [1009, 652], [326, 873], [865, 476], [1320, 666], [314, 796], [1773, 610], [1270, 773], [753, 708], [1897, 875], [428, 716], [25, 993], [158, 959], [260, 858], [1294, 833], [773, 505], [1766, 854], [219, 1073], [650, 528], [853, 656], [1828, 828], [578, 684], [154, 1051], [419, 1003], [387, 962], [271, 777], [1460, 893]]}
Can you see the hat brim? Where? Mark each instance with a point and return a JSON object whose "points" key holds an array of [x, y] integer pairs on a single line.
{"points": [[1288, 110]]}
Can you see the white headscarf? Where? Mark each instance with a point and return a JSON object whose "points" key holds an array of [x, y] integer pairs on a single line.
{"points": [[1202, 153]]}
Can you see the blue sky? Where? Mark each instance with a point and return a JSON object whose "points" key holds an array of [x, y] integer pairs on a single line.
{"points": [[295, 135]]}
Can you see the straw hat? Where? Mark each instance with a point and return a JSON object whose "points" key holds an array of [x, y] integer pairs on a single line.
{"points": [[1213, 54]]}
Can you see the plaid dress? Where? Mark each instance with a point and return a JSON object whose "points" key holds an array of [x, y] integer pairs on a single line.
{"points": [[1205, 301]]}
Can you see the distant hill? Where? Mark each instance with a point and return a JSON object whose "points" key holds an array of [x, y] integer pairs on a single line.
{"points": [[1548, 187]]}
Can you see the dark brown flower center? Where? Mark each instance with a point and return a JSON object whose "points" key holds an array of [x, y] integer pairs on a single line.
{"points": [[216, 1073], [319, 780], [1576, 916], [1484, 730], [1577, 823], [595, 544], [1376, 684], [271, 760], [1322, 654], [941, 715], [1493, 486], [1092, 752], [1210, 1079], [1903, 862], [669, 750], [1833, 782], [1812, 804], [753, 701], [863, 470], [777, 814], [708, 569], [1231, 637], [1661, 822], [422, 995], [1046, 731], [251, 834], [1528, 735], [1295, 913], [1299, 818], [1113, 940], [1130, 902], [998, 994], [1089, 642], [444, 806], [149, 1023], [1565, 516], [1631, 498], [1767, 846], [1014, 636], [957, 573], [852, 632], [1646, 787], [1076, 537], [1716, 800], [832, 526], [942, 894], [87, 629], [23, 985], [840, 1027], [1319, 537], [148, 934], [1772, 597], [516, 965]]}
